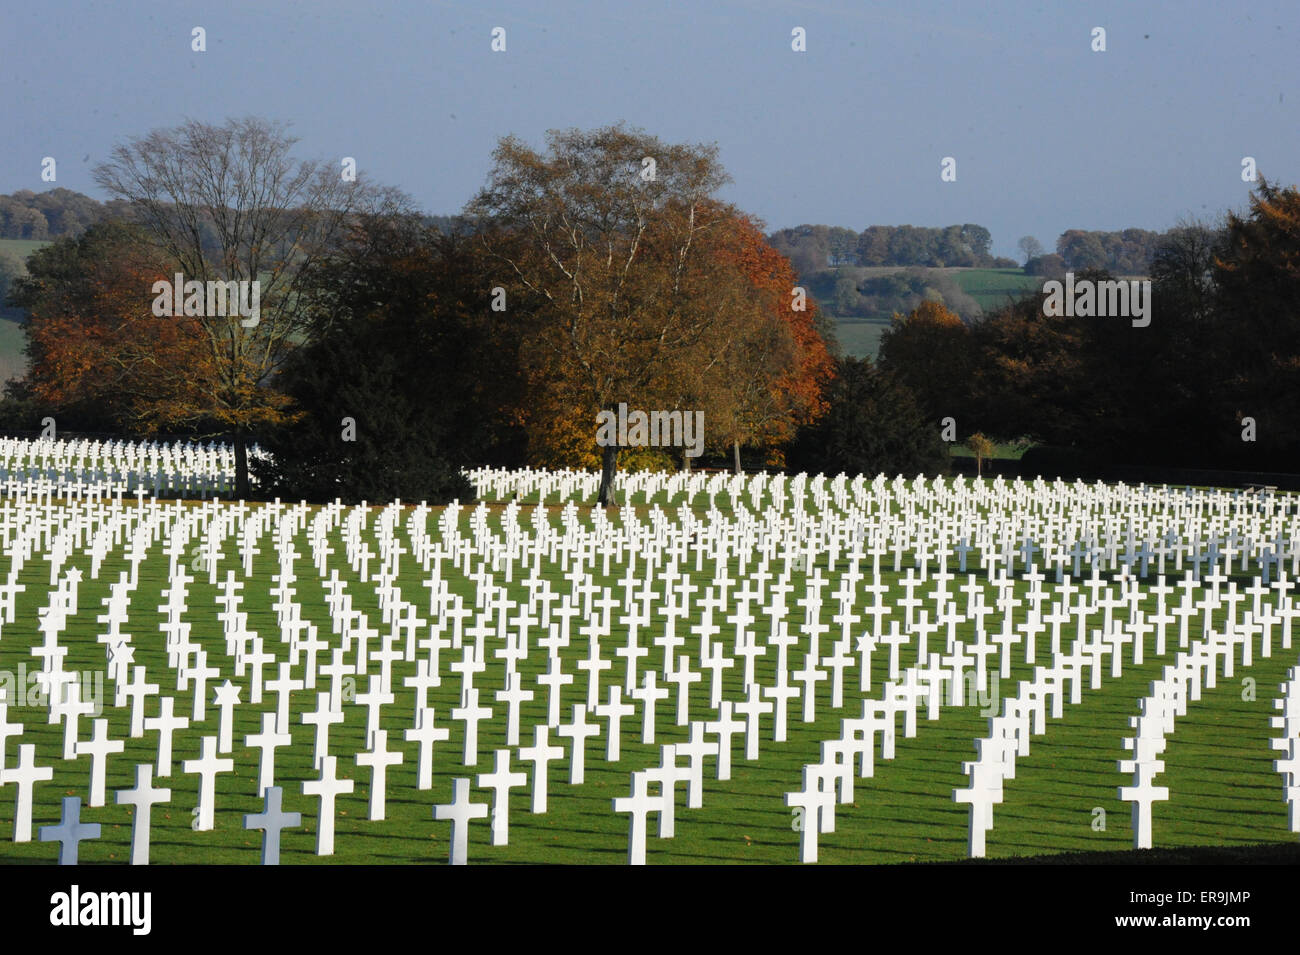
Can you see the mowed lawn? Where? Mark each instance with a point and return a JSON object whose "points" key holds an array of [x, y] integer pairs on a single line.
{"points": [[1223, 788]]}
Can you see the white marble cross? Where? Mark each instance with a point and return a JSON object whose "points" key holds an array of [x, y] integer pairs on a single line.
{"points": [[426, 732], [166, 724], [137, 691], [7, 730], [649, 694], [751, 708], [459, 812], [725, 727], [578, 732], [206, 767], [668, 774], [501, 780], [1142, 794], [695, 750], [639, 804], [472, 714], [99, 746], [142, 798], [378, 758], [272, 821], [328, 788], [513, 696], [25, 774], [613, 712], [540, 755], [268, 741], [814, 799], [225, 699], [70, 831]]}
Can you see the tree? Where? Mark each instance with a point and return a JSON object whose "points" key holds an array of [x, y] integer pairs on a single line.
{"points": [[1050, 266], [97, 354], [929, 350], [10, 269], [1081, 250], [229, 203], [1026, 374], [873, 245], [982, 448], [809, 247], [1029, 247], [767, 364], [1257, 345], [843, 246], [977, 239], [872, 426], [952, 249], [1182, 269], [612, 263], [406, 378], [909, 245]]}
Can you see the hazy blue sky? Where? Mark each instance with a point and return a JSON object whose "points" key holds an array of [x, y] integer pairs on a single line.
{"points": [[1047, 134]]}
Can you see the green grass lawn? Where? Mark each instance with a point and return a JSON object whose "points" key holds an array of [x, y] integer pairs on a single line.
{"points": [[1224, 791]]}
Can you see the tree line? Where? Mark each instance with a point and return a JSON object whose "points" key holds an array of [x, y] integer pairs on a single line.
{"points": [[63, 212], [392, 349], [816, 248], [1212, 382], [597, 273]]}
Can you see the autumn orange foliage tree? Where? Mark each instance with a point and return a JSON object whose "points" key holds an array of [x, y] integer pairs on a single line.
{"points": [[641, 287], [93, 343], [766, 365], [604, 253]]}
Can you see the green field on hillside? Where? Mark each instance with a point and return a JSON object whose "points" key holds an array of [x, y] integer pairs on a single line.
{"points": [[994, 288], [21, 248], [860, 338]]}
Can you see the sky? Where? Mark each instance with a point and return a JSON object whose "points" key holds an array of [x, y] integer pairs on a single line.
{"points": [[1047, 134]]}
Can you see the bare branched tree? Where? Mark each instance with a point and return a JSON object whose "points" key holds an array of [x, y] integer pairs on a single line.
{"points": [[229, 203]]}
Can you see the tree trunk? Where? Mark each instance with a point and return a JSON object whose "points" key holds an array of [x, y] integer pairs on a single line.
{"points": [[241, 464], [686, 461], [609, 468], [736, 447]]}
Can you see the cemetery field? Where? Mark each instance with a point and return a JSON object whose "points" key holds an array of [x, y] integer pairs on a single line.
{"points": [[840, 602]]}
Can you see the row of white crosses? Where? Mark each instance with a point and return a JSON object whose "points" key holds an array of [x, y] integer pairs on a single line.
{"points": [[1025, 713], [1180, 683], [664, 547], [1287, 724], [182, 466], [264, 786]]}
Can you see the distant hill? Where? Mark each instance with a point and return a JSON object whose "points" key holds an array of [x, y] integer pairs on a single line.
{"points": [[862, 301], [49, 215]]}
